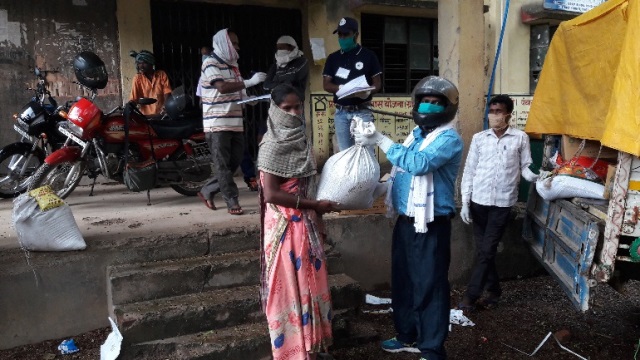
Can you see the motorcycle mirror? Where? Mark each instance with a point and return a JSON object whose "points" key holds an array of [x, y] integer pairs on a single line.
{"points": [[146, 101]]}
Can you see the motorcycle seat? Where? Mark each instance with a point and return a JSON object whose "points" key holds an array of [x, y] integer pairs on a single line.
{"points": [[171, 129]]}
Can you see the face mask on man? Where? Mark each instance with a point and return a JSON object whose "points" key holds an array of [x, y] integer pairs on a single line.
{"points": [[347, 44], [429, 108], [498, 121]]}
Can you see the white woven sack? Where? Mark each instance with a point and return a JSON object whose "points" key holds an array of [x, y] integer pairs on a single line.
{"points": [[561, 186], [350, 178], [51, 230]]}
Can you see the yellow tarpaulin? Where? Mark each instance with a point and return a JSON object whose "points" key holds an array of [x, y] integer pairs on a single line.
{"points": [[590, 82]]}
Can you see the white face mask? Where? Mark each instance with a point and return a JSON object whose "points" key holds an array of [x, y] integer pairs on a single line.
{"points": [[498, 122], [283, 57]]}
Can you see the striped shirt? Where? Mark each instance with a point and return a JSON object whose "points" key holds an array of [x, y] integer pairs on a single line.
{"points": [[220, 112], [492, 171]]}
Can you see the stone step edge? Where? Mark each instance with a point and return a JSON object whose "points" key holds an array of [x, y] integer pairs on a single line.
{"points": [[254, 338], [239, 292], [127, 269]]}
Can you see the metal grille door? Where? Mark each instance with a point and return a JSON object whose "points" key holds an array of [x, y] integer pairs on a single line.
{"points": [[180, 29]]}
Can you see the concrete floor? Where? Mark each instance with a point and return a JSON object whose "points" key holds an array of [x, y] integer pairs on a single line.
{"points": [[114, 210], [120, 228]]}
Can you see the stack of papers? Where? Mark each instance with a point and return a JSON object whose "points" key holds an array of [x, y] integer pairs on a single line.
{"points": [[357, 85]]}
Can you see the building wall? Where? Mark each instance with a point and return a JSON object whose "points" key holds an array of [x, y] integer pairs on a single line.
{"points": [[48, 34], [512, 71], [134, 33]]}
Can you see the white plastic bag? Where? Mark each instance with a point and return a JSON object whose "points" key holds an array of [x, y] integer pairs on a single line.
{"points": [[349, 178], [51, 230], [563, 186]]}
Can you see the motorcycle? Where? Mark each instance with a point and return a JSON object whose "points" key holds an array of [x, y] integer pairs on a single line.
{"points": [[37, 125], [113, 143]]}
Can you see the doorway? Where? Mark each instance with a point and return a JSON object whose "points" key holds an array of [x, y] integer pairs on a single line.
{"points": [[180, 29]]}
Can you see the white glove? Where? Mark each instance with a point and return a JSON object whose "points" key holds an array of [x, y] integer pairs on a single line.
{"points": [[367, 140], [465, 214], [374, 139], [529, 175], [256, 79]]}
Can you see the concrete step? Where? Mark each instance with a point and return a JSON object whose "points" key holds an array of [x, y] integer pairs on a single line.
{"points": [[246, 341], [213, 309], [154, 280]]}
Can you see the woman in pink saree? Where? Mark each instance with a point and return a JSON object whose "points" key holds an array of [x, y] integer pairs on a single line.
{"points": [[295, 293]]}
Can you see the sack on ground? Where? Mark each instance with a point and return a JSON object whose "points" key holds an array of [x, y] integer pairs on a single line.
{"points": [[350, 177], [54, 229], [140, 176]]}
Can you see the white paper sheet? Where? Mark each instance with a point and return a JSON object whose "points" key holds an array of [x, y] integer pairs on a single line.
{"points": [[357, 85], [254, 98], [111, 347], [456, 317], [317, 49], [374, 300]]}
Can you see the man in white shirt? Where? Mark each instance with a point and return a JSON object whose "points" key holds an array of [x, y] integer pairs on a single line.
{"points": [[222, 118], [496, 159]]}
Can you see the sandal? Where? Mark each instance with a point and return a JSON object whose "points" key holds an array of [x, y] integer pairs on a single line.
{"points": [[489, 302], [235, 210], [466, 308], [252, 184], [207, 202]]}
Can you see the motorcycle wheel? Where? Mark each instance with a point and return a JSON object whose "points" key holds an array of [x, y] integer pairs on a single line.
{"points": [[188, 188], [63, 178], [11, 183]]}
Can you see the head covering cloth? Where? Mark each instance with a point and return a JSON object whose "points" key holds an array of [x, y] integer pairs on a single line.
{"points": [[144, 55], [223, 48], [284, 150], [294, 54]]}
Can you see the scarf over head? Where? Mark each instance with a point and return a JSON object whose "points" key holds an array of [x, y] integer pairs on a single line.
{"points": [[223, 48], [143, 55], [283, 59], [284, 150]]}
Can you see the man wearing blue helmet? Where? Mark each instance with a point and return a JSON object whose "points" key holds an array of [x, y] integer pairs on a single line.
{"points": [[421, 192]]}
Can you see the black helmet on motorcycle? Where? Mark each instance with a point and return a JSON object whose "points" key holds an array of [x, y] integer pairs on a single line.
{"points": [[90, 70], [176, 103], [442, 88]]}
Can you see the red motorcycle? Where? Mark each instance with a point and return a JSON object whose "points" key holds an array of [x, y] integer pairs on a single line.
{"points": [[122, 145]]}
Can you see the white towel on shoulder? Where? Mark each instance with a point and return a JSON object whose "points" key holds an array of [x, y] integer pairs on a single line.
{"points": [[420, 201]]}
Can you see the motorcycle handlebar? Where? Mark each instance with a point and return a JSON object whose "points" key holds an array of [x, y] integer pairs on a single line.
{"points": [[113, 110]]}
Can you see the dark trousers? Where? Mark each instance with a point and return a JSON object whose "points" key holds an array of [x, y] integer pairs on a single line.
{"points": [[247, 165], [420, 285], [226, 153], [489, 223]]}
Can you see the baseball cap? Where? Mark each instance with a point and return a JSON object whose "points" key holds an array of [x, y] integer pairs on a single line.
{"points": [[347, 24]]}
